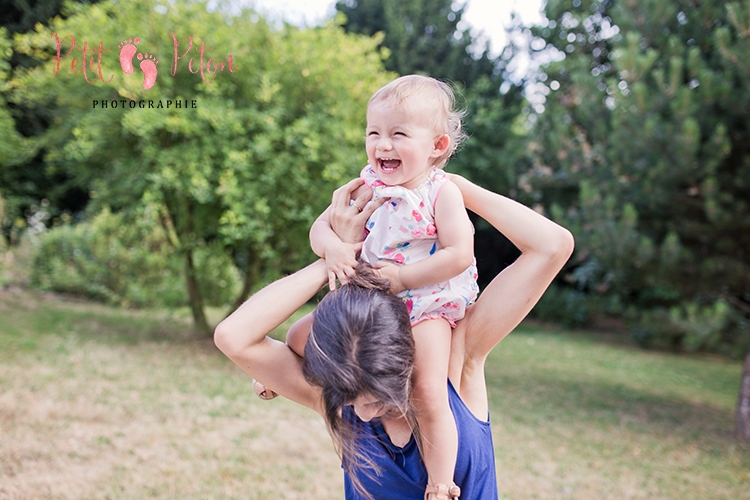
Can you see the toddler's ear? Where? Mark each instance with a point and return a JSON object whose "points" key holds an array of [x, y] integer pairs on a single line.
{"points": [[442, 144]]}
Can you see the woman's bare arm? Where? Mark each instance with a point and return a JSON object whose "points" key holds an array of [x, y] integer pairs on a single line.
{"points": [[544, 245], [505, 302], [242, 336]]}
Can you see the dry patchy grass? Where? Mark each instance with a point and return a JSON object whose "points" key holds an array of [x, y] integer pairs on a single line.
{"points": [[576, 418], [98, 402], [86, 414]]}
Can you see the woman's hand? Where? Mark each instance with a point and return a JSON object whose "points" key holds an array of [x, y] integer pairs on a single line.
{"points": [[350, 208]]}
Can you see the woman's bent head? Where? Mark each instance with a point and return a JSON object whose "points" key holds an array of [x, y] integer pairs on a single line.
{"points": [[360, 348]]}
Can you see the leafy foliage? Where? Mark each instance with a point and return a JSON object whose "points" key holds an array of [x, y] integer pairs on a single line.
{"points": [[421, 36], [14, 148], [644, 144], [26, 182], [128, 262], [249, 167]]}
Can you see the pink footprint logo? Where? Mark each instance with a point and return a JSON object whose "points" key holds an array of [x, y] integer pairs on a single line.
{"points": [[127, 51], [148, 66]]}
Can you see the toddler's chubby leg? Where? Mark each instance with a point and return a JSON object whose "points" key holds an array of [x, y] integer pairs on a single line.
{"points": [[436, 423]]}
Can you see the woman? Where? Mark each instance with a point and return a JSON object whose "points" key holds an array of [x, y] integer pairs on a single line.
{"points": [[366, 405]]}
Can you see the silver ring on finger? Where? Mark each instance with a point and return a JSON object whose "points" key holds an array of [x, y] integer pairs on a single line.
{"points": [[352, 204]]}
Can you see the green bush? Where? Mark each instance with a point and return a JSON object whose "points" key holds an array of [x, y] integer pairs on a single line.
{"points": [[218, 278], [652, 329], [127, 262], [692, 327], [701, 326], [2, 222], [562, 305]]}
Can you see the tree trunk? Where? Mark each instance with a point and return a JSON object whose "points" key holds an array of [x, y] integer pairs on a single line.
{"points": [[194, 294], [743, 403], [251, 275], [178, 231]]}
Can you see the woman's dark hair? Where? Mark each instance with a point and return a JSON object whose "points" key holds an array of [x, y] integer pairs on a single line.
{"points": [[360, 343]]}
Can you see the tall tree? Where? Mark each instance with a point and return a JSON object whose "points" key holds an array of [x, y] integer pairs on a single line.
{"points": [[14, 147], [24, 178], [645, 142], [238, 138], [21, 16], [423, 36]]}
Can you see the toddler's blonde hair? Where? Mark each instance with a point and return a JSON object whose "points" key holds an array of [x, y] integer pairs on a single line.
{"points": [[437, 96]]}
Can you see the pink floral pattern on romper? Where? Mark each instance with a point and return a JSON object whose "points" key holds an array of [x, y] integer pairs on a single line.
{"points": [[403, 231]]}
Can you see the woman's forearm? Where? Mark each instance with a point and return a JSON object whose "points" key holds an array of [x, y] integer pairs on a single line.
{"points": [[525, 228], [268, 308], [243, 335], [508, 298]]}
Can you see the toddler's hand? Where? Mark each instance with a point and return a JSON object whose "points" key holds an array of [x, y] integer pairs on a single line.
{"points": [[341, 259], [392, 273]]}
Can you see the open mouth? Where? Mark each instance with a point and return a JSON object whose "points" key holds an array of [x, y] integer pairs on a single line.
{"points": [[388, 164]]}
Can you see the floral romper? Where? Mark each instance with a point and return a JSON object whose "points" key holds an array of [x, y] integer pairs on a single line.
{"points": [[403, 231]]}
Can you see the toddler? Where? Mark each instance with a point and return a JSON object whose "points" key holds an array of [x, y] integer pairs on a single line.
{"points": [[421, 239]]}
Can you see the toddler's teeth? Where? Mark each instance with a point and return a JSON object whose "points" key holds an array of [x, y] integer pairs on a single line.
{"points": [[389, 164]]}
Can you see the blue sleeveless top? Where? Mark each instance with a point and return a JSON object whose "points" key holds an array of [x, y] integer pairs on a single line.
{"points": [[402, 474]]}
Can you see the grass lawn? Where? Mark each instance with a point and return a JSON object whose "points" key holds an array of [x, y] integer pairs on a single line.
{"points": [[99, 402]]}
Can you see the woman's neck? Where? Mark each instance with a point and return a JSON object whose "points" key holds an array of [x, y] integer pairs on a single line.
{"points": [[398, 430]]}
